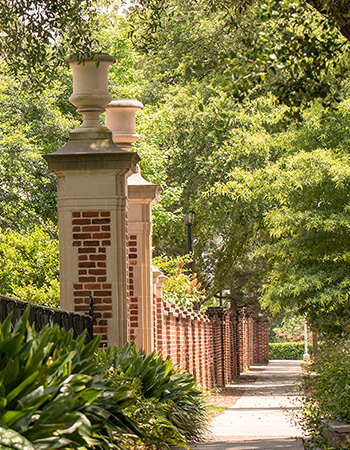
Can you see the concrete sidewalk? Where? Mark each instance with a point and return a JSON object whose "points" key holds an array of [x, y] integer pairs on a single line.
{"points": [[262, 418]]}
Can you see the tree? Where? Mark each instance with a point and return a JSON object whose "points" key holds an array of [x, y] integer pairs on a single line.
{"points": [[29, 266], [251, 47], [37, 36], [30, 127]]}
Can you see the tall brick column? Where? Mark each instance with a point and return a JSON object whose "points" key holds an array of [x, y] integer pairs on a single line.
{"points": [[92, 208], [120, 119]]}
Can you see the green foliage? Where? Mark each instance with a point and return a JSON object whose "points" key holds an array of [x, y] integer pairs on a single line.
{"points": [[270, 200], [181, 287], [52, 395], [59, 393], [327, 392], [169, 407], [308, 249], [290, 328], [38, 36], [30, 127], [284, 47], [29, 265], [288, 350]]}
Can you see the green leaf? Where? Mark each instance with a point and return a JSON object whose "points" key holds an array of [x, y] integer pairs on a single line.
{"points": [[11, 440]]}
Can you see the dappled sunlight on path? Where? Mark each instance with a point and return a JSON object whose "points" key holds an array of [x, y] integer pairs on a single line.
{"points": [[262, 417]]}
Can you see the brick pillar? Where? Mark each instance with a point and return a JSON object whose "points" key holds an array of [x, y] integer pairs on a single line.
{"points": [[261, 341], [120, 119], [92, 208]]}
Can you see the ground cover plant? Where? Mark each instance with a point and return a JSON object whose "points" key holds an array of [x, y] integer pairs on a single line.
{"points": [[56, 393]]}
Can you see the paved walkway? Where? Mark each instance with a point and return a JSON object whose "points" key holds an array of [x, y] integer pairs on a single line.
{"points": [[262, 418]]}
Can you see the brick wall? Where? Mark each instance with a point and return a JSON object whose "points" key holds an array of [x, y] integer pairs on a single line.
{"points": [[215, 346], [91, 237], [185, 336]]}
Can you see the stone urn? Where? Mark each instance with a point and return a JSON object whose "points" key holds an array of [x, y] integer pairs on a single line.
{"points": [[120, 119], [90, 91]]}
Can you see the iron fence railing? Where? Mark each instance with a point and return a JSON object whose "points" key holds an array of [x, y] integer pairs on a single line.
{"points": [[39, 316]]}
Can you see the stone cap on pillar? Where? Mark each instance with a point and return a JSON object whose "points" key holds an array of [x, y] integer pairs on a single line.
{"points": [[90, 146], [141, 190], [158, 276]]}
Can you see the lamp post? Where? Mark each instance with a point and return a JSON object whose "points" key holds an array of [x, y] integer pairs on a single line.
{"points": [[306, 357], [189, 221]]}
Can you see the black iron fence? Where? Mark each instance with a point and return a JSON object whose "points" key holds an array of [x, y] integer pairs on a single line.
{"points": [[39, 316]]}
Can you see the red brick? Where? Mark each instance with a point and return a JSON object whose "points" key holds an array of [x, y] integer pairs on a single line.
{"points": [[107, 286], [78, 300], [91, 214], [83, 308], [81, 221], [132, 243], [78, 286], [107, 300], [81, 293], [106, 243], [101, 264], [82, 236], [91, 243], [92, 286], [82, 257], [133, 256], [105, 228], [105, 213], [87, 264], [97, 271], [101, 235], [102, 250], [76, 243], [98, 257], [101, 279], [87, 250], [90, 228], [103, 308], [75, 214], [103, 293], [87, 279], [76, 229], [100, 221], [133, 237], [107, 315], [100, 330]]}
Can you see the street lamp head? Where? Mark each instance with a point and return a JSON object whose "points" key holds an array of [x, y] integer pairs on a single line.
{"points": [[189, 218]]}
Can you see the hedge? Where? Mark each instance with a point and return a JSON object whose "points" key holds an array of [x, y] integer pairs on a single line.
{"points": [[288, 350]]}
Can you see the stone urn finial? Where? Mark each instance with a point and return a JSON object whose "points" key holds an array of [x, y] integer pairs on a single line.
{"points": [[121, 120], [90, 91]]}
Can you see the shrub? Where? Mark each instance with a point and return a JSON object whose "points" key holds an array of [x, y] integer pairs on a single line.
{"points": [[288, 350], [53, 396], [181, 287], [328, 391], [58, 393], [170, 407]]}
